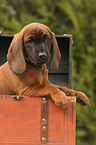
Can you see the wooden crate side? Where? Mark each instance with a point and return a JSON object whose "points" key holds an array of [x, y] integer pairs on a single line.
{"points": [[20, 122]]}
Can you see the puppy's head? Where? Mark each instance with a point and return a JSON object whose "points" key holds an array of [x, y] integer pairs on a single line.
{"points": [[35, 42]]}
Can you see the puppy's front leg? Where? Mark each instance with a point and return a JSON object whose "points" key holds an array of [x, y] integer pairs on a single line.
{"points": [[49, 90], [81, 97]]}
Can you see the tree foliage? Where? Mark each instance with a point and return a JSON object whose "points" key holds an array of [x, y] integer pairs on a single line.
{"points": [[77, 17]]}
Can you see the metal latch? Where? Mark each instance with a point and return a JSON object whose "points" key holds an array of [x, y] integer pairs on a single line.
{"points": [[71, 99], [17, 97]]}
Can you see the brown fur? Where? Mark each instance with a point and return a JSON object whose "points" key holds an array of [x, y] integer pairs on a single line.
{"points": [[22, 74]]}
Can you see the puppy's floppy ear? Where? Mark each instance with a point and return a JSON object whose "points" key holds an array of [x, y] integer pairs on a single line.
{"points": [[15, 55], [56, 54]]}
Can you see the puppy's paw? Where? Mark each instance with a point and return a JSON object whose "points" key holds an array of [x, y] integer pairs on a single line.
{"points": [[82, 99], [61, 101]]}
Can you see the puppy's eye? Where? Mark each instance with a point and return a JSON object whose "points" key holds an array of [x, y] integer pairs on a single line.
{"points": [[46, 37], [30, 40]]}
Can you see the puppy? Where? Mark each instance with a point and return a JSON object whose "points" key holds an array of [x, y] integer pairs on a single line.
{"points": [[25, 72]]}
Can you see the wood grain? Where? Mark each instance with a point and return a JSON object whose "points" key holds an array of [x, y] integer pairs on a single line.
{"points": [[20, 122]]}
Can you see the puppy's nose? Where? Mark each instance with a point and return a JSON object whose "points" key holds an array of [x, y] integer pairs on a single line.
{"points": [[42, 55]]}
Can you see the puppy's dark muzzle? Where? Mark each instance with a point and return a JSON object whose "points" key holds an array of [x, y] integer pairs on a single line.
{"points": [[42, 56]]}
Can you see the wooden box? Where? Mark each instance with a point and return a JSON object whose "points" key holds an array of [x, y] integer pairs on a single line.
{"points": [[20, 122], [34, 120]]}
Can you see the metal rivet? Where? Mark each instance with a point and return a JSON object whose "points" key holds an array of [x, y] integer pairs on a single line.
{"points": [[43, 139], [43, 120], [44, 99], [44, 127], [18, 97]]}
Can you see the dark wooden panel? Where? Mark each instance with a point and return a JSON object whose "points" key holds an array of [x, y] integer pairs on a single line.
{"points": [[59, 79], [4, 45], [63, 43]]}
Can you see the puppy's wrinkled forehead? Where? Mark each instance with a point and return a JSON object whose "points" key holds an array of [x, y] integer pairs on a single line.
{"points": [[36, 30]]}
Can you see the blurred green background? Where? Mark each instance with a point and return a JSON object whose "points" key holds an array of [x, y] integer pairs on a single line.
{"points": [[76, 17]]}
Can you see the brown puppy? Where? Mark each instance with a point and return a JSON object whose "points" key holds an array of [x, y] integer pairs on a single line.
{"points": [[25, 72]]}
